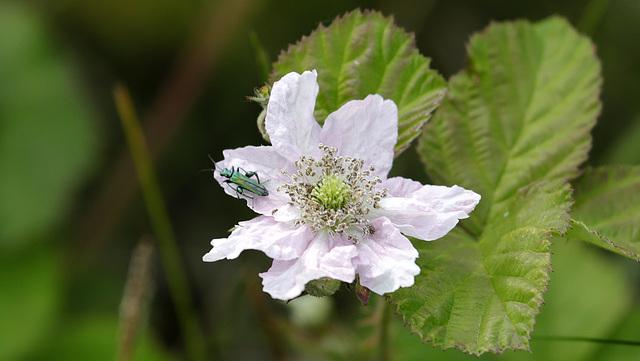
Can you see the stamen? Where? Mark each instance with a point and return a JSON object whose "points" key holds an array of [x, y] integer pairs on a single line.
{"points": [[334, 194]]}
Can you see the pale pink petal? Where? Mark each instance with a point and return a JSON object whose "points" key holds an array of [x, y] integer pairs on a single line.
{"points": [[293, 130], [430, 212], [386, 259], [287, 213], [324, 257], [277, 240], [366, 129], [267, 164], [448, 199], [400, 187]]}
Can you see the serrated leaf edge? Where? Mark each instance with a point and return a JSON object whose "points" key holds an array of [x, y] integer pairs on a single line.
{"points": [[412, 129], [539, 299], [606, 240]]}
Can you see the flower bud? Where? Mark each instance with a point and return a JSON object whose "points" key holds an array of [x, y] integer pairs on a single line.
{"points": [[363, 293]]}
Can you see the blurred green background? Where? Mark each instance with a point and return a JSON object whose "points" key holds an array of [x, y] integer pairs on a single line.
{"points": [[71, 213]]}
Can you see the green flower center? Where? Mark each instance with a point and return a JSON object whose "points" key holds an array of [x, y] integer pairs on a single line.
{"points": [[332, 192]]}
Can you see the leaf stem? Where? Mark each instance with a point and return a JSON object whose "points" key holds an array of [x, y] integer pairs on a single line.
{"points": [[169, 251]]}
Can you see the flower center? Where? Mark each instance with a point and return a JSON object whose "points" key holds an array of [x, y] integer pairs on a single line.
{"points": [[335, 194], [332, 192]]}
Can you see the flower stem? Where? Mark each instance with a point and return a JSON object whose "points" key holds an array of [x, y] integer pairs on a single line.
{"points": [[383, 310], [176, 277]]}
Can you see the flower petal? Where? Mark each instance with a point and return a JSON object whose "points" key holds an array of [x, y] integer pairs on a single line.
{"points": [[277, 240], [266, 163], [386, 259], [324, 257], [400, 187], [429, 212], [366, 129], [286, 213], [293, 130]]}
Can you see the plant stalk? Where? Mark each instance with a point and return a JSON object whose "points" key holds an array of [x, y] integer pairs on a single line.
{"points": [[176, 277]]}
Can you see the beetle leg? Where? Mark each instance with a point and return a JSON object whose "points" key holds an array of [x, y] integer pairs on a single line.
{"points": [[250, 174], [238, 192]]}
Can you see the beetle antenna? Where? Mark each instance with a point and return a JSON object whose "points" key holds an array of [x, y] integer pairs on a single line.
{"points": [[212, 161], [209, 169], [205, 170]]}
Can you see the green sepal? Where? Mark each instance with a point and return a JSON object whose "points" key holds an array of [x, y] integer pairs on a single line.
{"points": [[322, 287]]}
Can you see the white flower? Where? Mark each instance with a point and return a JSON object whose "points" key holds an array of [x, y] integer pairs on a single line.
{"points": [[331, 210]]}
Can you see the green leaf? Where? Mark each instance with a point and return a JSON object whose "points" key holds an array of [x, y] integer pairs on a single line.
{"points": [[47, 137], [483, 295], [514, 127], [588, 296], [522, 112], [607, 209], [365, 53]]}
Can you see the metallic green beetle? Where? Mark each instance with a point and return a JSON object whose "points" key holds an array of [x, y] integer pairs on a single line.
{"points": [[242, 180]]}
